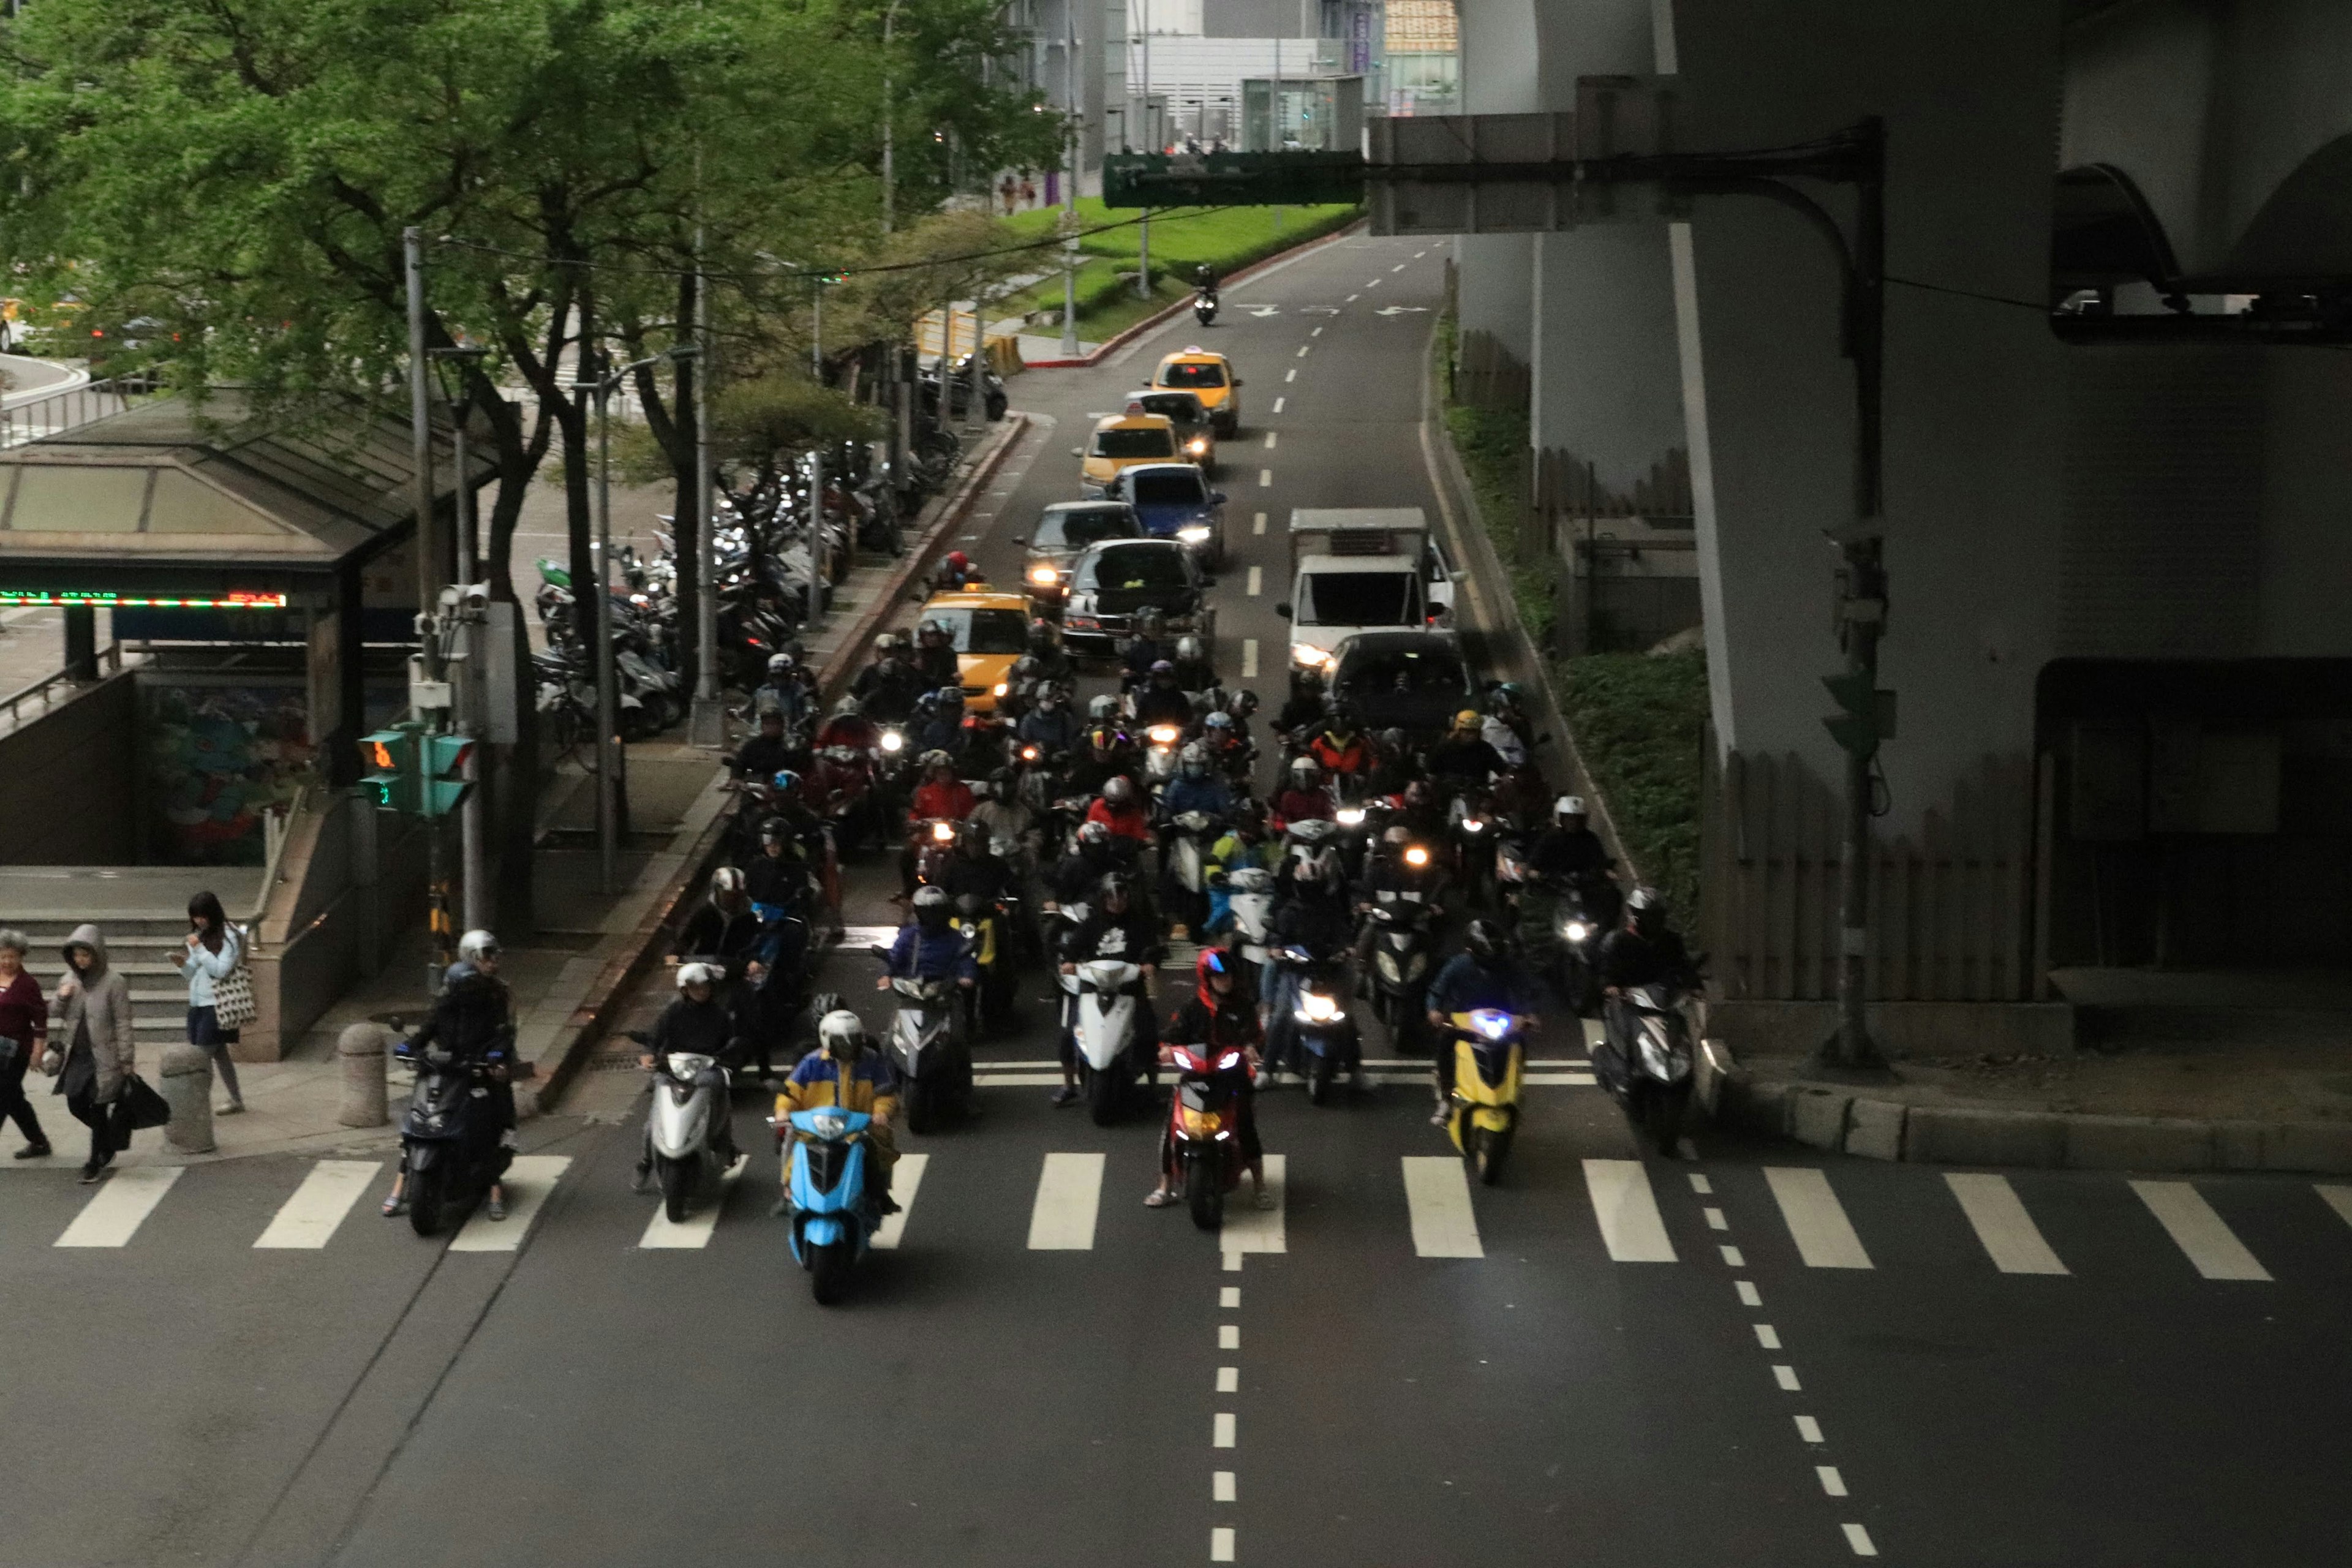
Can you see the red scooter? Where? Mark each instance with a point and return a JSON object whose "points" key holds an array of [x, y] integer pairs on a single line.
{"points": [[1204, 1131]]}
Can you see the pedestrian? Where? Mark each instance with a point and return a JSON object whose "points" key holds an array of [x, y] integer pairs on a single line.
{"points": [[24, 1040], [91, 1014], [214, 950], [1008, 192], [1028, 192]]}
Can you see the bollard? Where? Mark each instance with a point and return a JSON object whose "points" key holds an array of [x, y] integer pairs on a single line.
{"points": [[187, 1088], [361, 1047]]}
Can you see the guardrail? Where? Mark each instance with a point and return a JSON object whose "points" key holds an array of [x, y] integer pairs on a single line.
{"points": [[50, 687], [68, 407]]}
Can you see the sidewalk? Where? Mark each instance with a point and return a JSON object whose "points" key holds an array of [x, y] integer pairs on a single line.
{"points": [[570, 976]]}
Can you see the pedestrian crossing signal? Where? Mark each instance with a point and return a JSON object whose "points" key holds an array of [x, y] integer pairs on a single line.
{"points": [[388, 769], [449, 774]]}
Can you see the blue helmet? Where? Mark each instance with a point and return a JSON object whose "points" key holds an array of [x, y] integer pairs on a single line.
{"points": [[785, 782]]}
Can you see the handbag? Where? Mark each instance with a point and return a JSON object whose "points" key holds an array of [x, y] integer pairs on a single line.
{"points": [[233, 1004], [139, 1106]]}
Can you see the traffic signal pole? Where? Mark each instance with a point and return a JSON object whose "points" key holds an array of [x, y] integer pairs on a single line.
{"points": [[427, 668]]}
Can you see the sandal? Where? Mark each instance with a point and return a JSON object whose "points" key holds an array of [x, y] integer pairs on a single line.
{"points": [[497, 1208], [394, 1208], [1156, 1199], [1264, 1199]]}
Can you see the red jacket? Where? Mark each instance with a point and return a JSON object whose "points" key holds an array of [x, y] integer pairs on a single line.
{"points": [[1299, 805], [1352, 758], [860, 732], [1129, 824], [952, 800]]}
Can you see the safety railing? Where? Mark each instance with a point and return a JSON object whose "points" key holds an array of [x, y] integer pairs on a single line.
{"points": [[47, 692], [70, 407]]}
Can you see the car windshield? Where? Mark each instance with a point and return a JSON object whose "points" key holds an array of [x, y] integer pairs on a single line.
{"points": [[985, 631], [1192, 375], [1181, 406], [1154, 442], [1077, 530], [1170, 488], [1136, 566], [1370, 672], [1358, 599]]}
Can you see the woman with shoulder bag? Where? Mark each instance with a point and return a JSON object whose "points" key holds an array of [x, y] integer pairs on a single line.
{"points": [[215, 950], [24, 1040], [91, 1014]]}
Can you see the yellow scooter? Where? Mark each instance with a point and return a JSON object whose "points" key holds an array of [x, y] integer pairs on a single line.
{"points": [[1489, 1063]]}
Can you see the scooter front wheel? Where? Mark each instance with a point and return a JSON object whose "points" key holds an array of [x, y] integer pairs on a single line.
{"points": [[829, 1273], [426, 1196], [1204, 1194], [1319, 1079], [676, 1188], [922, 1105], [1103, 1098]]}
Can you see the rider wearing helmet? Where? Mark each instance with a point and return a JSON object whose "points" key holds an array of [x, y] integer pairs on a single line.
{"points": [[956, 573], [1304, 710], [1117, 926], [939, 726], [975, 870], [698, 1021], [1393, 765], [1645, 950], [1197, 786], [849, 726], [1304, 797], [725, 929], [1120, 808], [935, 655], [1046, 649], [1160, 701], [1312, 911], [1570, 851], [765, 752], [942, 793], [1193, 672], [1146, 646], [472, 1020], [1051, 725], [1244, 846], [1105, 754], [929, 946], [845, 1072], [1218, 1017], [1221, 739], [1098, 853], [1463, 760], [1484, 974], [788, 691], [1339, 745], [890, 687]]}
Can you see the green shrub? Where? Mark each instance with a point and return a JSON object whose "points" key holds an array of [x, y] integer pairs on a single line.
{"points": [[1639, 722]]}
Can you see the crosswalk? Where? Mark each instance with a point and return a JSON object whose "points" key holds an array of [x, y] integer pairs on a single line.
{"points": [[2258, 1233]]}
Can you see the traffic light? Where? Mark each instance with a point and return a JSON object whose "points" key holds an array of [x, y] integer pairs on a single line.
{"points": [[449, 763], [388, 768], [1869, 715]]}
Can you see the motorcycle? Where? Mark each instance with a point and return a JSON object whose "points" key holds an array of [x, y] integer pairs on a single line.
{"points": [[1643, 1059], [1325, 1036], [1249, 895], [1104, 1025], [1204, 308], [1489, 1064], [833, 1213], [932, 1054], [983, 924], [1400, 959], [686, 1130], [451, 1144], [1473, 834], [1182, 851], [1159, 754], [1205, 1131]]}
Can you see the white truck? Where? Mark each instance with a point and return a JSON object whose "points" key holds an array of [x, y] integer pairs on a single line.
{"points": [[1363, 569]]}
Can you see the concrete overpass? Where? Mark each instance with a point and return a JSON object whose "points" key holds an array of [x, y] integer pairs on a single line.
{"points": [[2117, 551]]}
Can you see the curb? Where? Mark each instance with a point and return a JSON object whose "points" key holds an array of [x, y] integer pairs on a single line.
{"points": [[1161, 318], [626, 958], [1836, 1120]]}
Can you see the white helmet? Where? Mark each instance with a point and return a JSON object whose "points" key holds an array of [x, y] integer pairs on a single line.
{"points": [[1568, 805], [839, 1033], [698, 974], [726, 879], [477, 945], [778, 663]]}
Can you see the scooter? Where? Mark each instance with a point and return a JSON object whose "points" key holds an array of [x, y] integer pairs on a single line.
{"points": [[931, 1056], [1643, 1059], [1104, 1025], [833, 1213], [1204, 308], [687, 1132], [1400, 954], [1204, 1131], [1489, 1064], [451, 1144], [1159, 754], [1182, 861], [983, 924], [1326, 1038]]}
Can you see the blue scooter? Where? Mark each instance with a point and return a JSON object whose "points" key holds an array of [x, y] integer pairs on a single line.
{"points": [[834, 1215]]}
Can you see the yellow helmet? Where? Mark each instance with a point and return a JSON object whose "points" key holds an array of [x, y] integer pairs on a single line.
{"points": [[1467, 719]]}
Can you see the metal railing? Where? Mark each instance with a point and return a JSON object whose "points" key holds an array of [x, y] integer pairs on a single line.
{"points": [[50, 688], [70, 407]]}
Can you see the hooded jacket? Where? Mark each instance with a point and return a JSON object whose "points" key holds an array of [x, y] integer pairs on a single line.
{"points": [[101, 1000]]}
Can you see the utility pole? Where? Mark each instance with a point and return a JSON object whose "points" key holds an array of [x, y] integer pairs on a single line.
{"points": [[889, 194], [709, 712], [424, 674], [1143, 227], [1070, 191], [463, 629]]}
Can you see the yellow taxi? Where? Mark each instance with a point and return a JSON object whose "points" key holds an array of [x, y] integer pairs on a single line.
{"points": [[1121, 441], [991, 631], [1207, 376]]}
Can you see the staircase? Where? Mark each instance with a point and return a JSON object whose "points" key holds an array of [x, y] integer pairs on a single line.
{"points": [[142, 911], [135, 946]]}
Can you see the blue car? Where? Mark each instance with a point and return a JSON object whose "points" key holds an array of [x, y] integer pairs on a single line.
{"points": [[1174, 500]]}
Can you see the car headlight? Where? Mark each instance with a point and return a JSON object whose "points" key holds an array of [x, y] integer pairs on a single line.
{"points": [[1196, 534], [1082, 623], [1312, 658], [1388, 967], [1044, 575]]}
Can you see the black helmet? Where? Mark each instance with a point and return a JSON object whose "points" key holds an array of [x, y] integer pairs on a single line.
{"points": [[775, 830], [1487, 943], [1113, 887], [972, 839], [931, 905]]}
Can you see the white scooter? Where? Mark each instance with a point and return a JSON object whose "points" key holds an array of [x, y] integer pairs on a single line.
{"points": [[1105, 1028], [933, 1061], [1249, 894], [687, 1132]]}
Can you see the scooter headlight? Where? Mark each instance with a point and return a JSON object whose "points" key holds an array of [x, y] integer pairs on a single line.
{"points": [[1576, 930], [1491, 1022], [1229, 1061], [1165, 735], [1317, 1008], [1030, 754], [893, 741], [1420, 963], [1388, 967], [942, 832], [1416, 857], [1198, 446], [1350, 816], [1473, 825], [1043, 576], [830, 1126]]}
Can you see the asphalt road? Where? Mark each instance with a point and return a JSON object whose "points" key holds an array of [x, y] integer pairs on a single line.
{"points": [[1754, 1357]]}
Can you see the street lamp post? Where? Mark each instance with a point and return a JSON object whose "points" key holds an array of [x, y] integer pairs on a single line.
{"points": [[608, 742], [1070, 191], [889, 22]]}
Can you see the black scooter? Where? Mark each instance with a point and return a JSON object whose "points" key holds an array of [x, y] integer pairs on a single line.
{"points": [[451, 1144]]}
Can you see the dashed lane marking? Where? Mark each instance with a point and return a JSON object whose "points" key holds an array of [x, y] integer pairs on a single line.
{"points": [[1229, 1336], [1277, 405], [1832, 1483], [1269, 440], [1221, 1488], [1069, 1195], [1291, 375], [1627, 1210], [115, 1212], [1221, 1544], [1816, 1221], [1809, 1430], [1859, 1539], [1302, 351], [1437, 1195], [1256, 582], [1229, 1380], [1265, 478], [308, 1220], [1786, 1376], [1221, 1431], [1257, 524]]}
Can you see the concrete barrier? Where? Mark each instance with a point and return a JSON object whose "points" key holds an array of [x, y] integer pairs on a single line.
{"points": [[1874, 1129], [359, 1049], [1817, 1116], [187, 1088]]}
